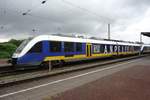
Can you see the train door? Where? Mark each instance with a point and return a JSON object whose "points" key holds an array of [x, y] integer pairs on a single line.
{"points": [[88, 50]]}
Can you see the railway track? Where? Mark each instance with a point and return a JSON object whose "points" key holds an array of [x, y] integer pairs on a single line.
{"points": [[5, 69], [9, 70], [13, 76], [19, 71]]}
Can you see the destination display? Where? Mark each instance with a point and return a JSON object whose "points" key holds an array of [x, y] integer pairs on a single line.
{"points": [[103, 48]]}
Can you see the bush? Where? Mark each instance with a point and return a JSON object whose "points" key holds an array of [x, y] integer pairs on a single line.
{"points": [[4, 54], [15, 42], [7, 49]]}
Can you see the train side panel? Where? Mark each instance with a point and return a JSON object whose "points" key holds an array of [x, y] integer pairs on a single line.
{"points": [[67, 50], [44, 51]]}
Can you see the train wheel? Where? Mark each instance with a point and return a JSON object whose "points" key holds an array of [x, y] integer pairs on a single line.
{"points": [[56, 63]]}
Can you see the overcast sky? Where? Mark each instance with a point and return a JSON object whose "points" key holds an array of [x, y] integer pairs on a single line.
{"points": [[89, 17]]}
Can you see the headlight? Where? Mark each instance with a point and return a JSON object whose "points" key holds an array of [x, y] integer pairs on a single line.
{"points": [[14, 61], [15, 55]]}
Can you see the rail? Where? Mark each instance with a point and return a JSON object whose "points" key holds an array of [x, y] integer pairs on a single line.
{"points": [[24, 75]]}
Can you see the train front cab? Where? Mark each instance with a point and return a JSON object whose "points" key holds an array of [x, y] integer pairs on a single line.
{"points": [[145, 50], [32, 57]]}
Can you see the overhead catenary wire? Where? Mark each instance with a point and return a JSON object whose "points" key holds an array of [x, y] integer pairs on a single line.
{"points": [[30, 10], [16, 12], [83, 9], [99, 17], [37, 16]]}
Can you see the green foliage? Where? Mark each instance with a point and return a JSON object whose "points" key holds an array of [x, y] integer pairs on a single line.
{"points": [[7, 49], [15, 42], [4, 54]]}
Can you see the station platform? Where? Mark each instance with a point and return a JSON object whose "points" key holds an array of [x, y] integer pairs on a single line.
{"points": [[132, 83]]}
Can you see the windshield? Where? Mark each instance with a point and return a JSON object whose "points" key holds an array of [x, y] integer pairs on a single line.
{"points": [[22, 45]]}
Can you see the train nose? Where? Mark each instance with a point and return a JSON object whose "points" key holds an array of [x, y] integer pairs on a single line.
{"points": [[15, 55], [14, 61]]}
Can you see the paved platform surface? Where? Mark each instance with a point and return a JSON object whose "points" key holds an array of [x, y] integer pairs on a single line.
{"points": [[130, 84]]}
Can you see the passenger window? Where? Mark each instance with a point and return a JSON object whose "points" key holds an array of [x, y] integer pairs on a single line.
{"points": [[102, 47], [37, 48], [78, 47], [68, 46], [55, 46], [96, 48]]}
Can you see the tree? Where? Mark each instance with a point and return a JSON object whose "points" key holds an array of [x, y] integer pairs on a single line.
{"points": [[7, 49], [15, 42]]}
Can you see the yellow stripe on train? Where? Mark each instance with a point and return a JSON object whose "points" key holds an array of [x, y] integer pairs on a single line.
{"points": [[84, 56], [63, 57]]}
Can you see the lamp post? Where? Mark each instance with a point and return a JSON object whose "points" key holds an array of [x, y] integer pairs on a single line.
{"points": [[140, 37], [140, 42], [109, 31]]}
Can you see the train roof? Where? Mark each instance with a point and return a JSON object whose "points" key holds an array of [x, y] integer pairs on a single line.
{"points": [[81, 40], [146, 45]]}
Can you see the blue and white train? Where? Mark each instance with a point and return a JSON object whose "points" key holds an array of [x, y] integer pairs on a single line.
{"points": [[58, 49]]}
